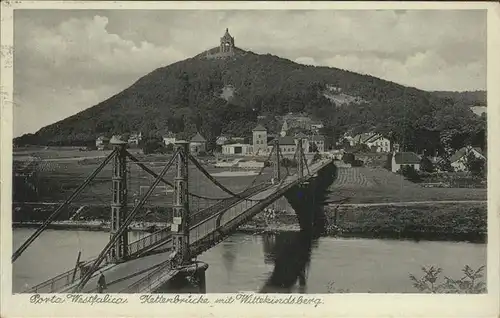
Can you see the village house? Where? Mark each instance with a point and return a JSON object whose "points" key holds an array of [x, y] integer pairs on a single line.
{"points": [[379, 143], [221, 140], [400, 159], [197, 144], [169, 139], [305, 141], [259, 140], [102, 143], [237, 149], [375, 142], [287, 145], [459, 159]]}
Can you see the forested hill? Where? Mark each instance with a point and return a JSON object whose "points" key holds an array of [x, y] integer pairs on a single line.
{"points": [[469, 98], [227, 96]]}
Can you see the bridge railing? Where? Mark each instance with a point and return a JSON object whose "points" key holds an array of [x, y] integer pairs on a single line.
{"points": [[147, 241], [58, 282]]}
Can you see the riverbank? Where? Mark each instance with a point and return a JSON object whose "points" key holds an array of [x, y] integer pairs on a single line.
{"points": [[427, 221]]}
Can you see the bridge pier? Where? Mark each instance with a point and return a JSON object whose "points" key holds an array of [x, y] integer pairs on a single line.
{"points": [[191, 279]]}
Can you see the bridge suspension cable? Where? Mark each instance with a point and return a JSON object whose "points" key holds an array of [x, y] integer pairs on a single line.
{"points": [[154, 174], [217, 183], [58, 211], [126, 223]]}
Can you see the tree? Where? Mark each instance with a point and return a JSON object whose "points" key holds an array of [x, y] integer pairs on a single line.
{"points": [[153, 145], [348, 157], [444, 164], [409, 173], [169, 148], [313, 147], [426, 164]]}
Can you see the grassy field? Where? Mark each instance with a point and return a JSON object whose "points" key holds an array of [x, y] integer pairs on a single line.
{"points": [[374, 185]]}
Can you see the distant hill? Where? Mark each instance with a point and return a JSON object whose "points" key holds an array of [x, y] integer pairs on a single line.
{"points": [[215, 96], [469, 98]]}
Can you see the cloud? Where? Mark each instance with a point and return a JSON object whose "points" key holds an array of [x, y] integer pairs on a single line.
{"points": [[425, 70], [306, 60], [62, 70], [68, 60]]}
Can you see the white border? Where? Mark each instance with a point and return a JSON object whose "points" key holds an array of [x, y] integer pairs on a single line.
{"points": [[352, 305]]}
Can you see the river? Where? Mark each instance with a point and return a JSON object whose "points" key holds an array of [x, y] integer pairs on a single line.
{"points": [[244, 262]]}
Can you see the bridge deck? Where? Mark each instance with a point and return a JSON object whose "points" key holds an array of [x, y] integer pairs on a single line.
{"points": [[156, 267]]}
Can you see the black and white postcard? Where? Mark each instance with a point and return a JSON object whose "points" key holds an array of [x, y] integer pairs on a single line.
{"points": [[194, 159]]}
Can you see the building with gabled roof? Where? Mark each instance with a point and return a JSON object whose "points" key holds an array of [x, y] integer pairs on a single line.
{"points": [[459, 159], [197, 144], [259, 140], [400, 159], [102, 143]]}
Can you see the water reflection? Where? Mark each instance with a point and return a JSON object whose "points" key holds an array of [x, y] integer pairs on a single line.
{"points": [[291, 254], [229, 250]]}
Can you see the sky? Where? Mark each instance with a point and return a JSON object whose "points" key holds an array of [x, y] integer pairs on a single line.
{"points": [[68, 60]]}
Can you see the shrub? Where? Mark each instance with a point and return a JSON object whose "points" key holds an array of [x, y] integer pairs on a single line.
{"points": [[153, 145], [169, 148], [475, 165], [348, 157], [357, 163], [470, 283], [410, 173], [426, 165], [288, 163], [316, 157]]}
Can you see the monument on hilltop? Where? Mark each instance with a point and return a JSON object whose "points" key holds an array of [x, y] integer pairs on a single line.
{"points": [[226, 47]]}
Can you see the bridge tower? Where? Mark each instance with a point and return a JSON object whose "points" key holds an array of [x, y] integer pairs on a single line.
{"points": [[276, 170], [119, 202], [300, 162], [180, 222]]}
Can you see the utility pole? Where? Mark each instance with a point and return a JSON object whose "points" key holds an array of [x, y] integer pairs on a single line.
{"points": [[119, 201], [180, 222], [276, 171], [300, 162]]}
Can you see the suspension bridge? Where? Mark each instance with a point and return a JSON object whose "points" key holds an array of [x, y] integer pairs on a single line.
{"points": [[196, 222]]}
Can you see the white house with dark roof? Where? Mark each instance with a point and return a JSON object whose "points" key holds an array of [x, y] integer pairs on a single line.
{"points": [[287, 144], [459, 159], [197, 144], [400, 159]]}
